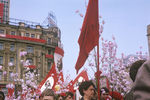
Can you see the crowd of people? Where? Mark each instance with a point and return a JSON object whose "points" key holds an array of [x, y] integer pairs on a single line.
{"points": [[139, 72], [48, 94]]}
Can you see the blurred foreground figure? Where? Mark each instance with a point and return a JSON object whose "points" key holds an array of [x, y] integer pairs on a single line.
{"points": [[2, 96], [133, 73], [141, 89], [86, 90]]}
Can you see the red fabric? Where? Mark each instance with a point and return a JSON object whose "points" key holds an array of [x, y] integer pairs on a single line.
{"points": [[1, 12], [82, 74], [70, 86], [107, 82], [25, 38], [61, 76], [59, 51], [116, 95], [108, 98], [63, 94], [71, 83], [32, 66], [52, 71], [89, 35], [49, 56], [10, 92]]}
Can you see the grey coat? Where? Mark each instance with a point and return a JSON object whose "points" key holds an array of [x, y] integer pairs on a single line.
{"points": [[141, 88]]}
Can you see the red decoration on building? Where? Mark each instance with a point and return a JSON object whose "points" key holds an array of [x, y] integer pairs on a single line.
{"points": [[59, 51], [1, 12], [49, 56], [25, 38]]}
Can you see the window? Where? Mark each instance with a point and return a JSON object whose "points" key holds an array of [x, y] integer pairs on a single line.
{"points": [[10, 76], [27, 34], [1, 31], [30, 60], [59, 34], [1, 74], [1, 46], [12, 60], [49, 41], [49, 64], [1, 59], [13, 33], [32, 35], [49, 52], [29, 49], [12, 47], [55, 35]]}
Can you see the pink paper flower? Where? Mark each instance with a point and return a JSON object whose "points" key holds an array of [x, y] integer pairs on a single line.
{"points": [[4, 73], [1, 67]]}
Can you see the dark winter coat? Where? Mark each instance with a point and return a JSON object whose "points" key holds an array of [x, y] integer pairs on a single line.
{"points": [[141, 88]]}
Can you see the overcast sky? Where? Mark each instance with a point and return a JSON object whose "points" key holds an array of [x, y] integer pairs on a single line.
{"points": [[127, 20]]}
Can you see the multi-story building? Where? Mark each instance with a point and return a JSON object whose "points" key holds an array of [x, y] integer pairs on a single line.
{"points": [[4, 11], [39, 43]]}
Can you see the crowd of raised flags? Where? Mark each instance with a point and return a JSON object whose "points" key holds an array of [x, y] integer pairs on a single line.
{"points": [[88, 39]]}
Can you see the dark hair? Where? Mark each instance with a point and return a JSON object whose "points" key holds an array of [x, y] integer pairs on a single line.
{"points": [[69, 94], [48, 92], [104, 89], [134, 69], [58, 96], [2, 95], [84, 86]]}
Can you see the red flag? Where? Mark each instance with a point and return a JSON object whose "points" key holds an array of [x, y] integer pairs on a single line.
{"points": [[10, 91], [81, 77], [61, 76], [70, 86], [55, 74], [11, 88], [89, 35], [73, 85], [50, 80], [58, 55]]}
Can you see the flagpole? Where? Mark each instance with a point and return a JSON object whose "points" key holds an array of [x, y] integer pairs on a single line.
{"points": [[98, 71]]}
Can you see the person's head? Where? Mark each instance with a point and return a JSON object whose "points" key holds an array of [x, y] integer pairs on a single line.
{"points": [[2, 96], [95, 97], [60, 97], [47, 94], [104, 92], [134, 68], [69, 96], [87, 89]]}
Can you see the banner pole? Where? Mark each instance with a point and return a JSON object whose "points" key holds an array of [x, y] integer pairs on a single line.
{"points": [[98, 72]]}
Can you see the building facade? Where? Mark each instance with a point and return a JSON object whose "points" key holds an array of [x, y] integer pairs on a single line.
{"points": [[39, 43], [4, 11]]}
